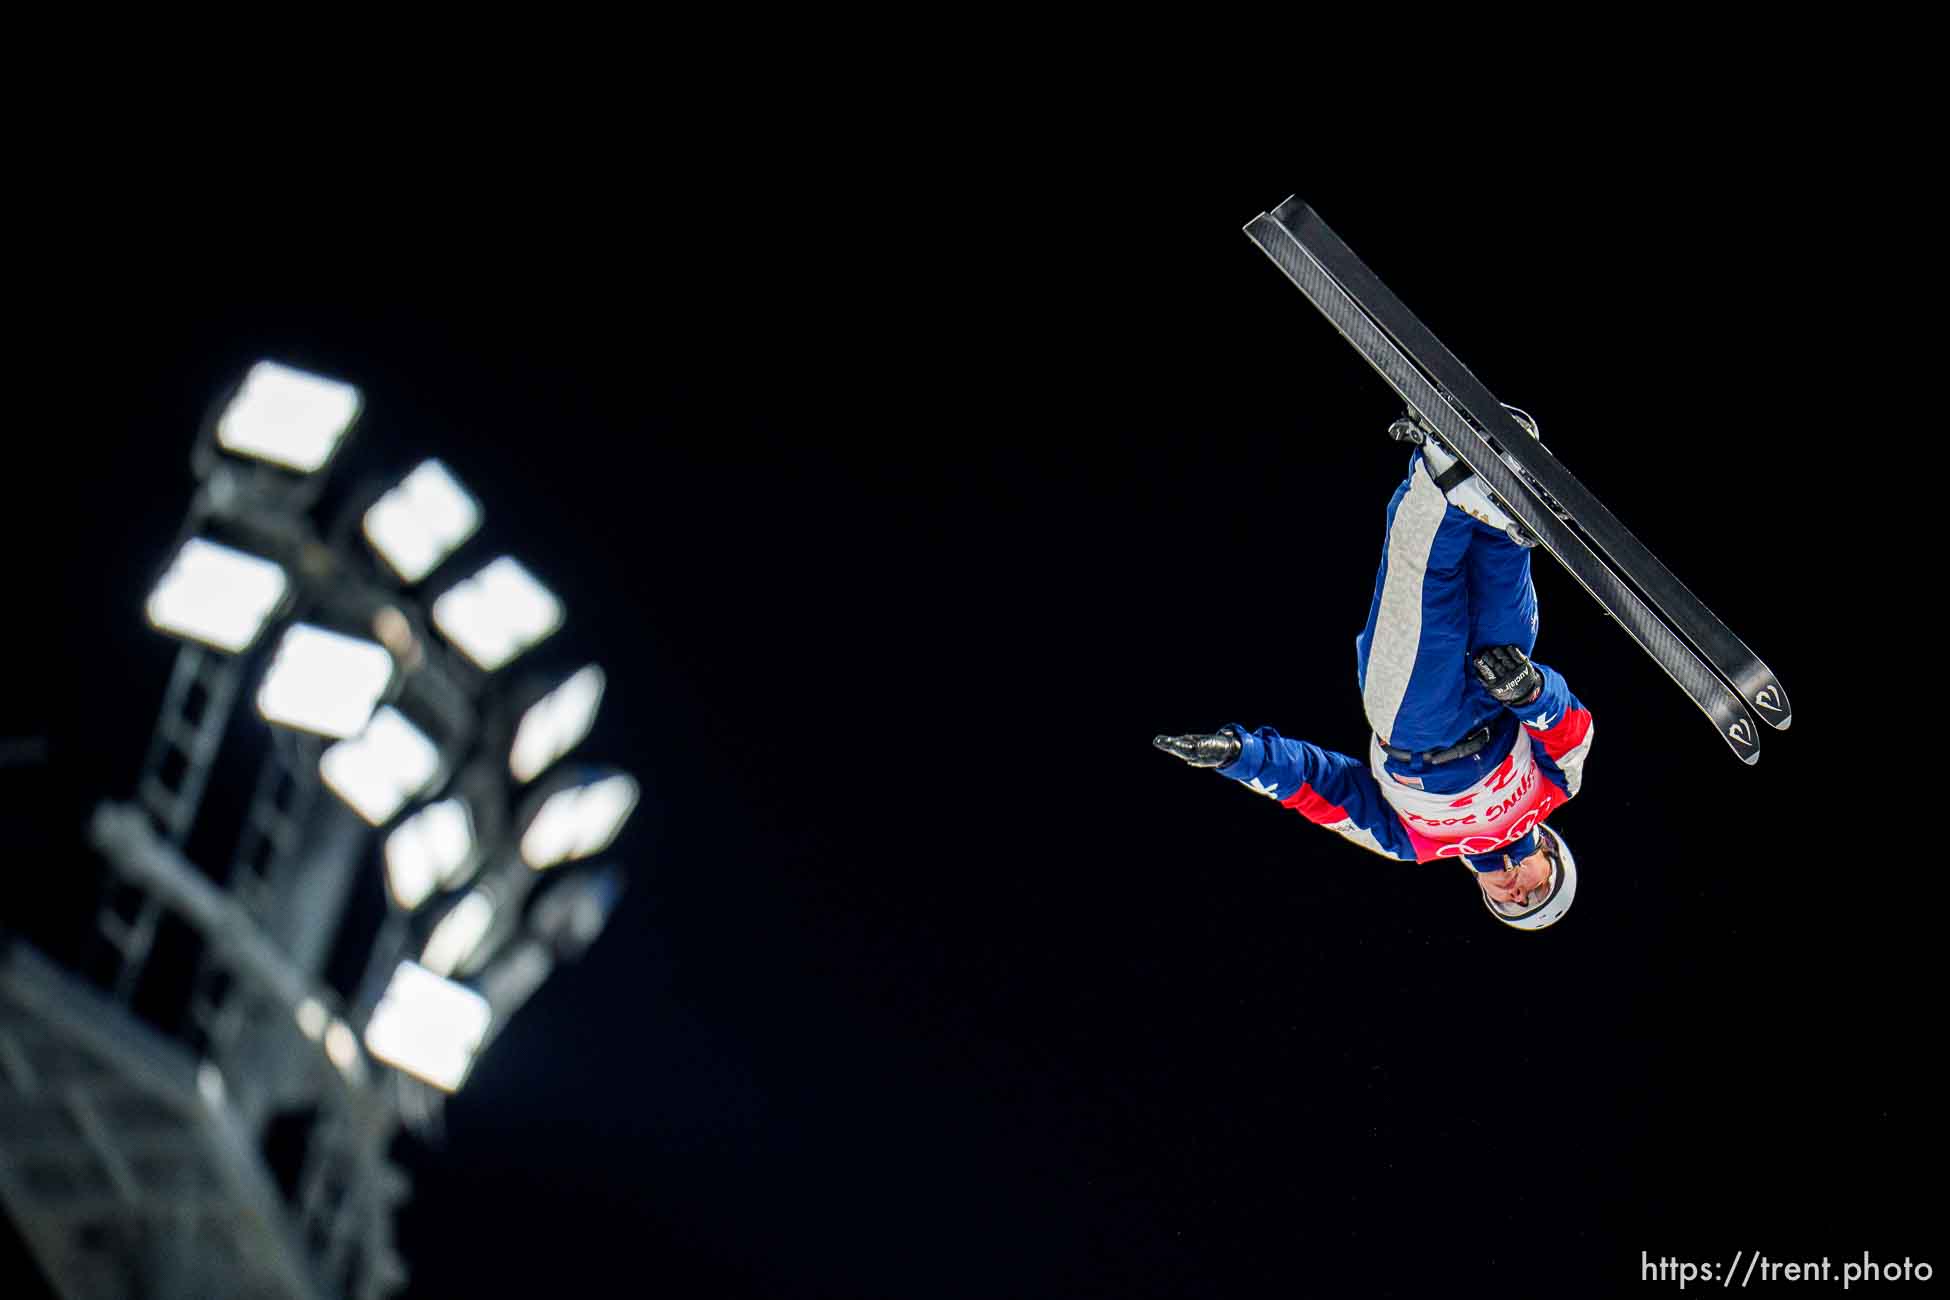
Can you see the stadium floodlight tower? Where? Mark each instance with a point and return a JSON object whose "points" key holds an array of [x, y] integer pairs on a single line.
{"points": [[209, 1111]]}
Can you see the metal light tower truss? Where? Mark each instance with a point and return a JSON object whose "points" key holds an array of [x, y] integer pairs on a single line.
{"points": [[196, 710], [132, 1170], [285, 798], [124, 1171]]}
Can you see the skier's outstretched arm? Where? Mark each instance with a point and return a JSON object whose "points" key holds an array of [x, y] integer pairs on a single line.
{"points": [[1555, 718], [1328, 789]]}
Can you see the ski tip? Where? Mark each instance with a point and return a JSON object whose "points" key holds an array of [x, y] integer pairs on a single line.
{"points": [[1771, 705], [1290, 210], [1742, 741]]}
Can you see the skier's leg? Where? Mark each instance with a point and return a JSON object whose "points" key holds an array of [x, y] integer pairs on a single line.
{"points": [[1502, 611], [1502, 597], [1412, 657]]}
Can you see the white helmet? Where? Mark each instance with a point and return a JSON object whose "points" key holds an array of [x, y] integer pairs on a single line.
{"points": [[1555, 901]]}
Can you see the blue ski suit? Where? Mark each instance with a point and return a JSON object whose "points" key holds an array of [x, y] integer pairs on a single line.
{"points": [[1449, 584]]}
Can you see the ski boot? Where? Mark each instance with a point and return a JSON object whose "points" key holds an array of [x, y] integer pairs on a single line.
{"points": [[1529, 424], [1459, 485]]}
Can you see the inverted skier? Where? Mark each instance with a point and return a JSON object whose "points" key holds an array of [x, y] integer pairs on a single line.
{"points": [[1473, 743]]}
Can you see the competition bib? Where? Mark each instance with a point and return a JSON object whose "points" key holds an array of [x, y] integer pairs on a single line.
{"points": [[1498, 810]]}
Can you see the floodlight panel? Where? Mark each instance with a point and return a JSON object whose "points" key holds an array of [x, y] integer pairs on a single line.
{"points": [[428, 1026], [312, 1018], [552, 833], [287, 416], [409, 875], [422, 521], [556, 724], [428, 850], [324, 682], [601, 813], [216, 595], [498, 613], [459, 933], [578, 821], [380, 769]]}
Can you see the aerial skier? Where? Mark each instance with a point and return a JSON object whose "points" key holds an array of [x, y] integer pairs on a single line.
{"points": [[1474, 744]]}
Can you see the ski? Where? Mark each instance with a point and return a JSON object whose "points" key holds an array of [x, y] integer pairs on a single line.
{"points": [[1727, 654], [1441, 412]]}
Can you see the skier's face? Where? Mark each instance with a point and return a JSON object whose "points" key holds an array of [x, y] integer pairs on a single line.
{"points": [[1514, 884]]}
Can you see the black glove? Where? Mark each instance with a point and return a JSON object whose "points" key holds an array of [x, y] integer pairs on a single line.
{"points": [[1509, 674], [1216, 750]]}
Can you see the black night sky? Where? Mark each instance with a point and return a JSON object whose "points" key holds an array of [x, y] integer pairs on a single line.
{"points": [[902, 512]]}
